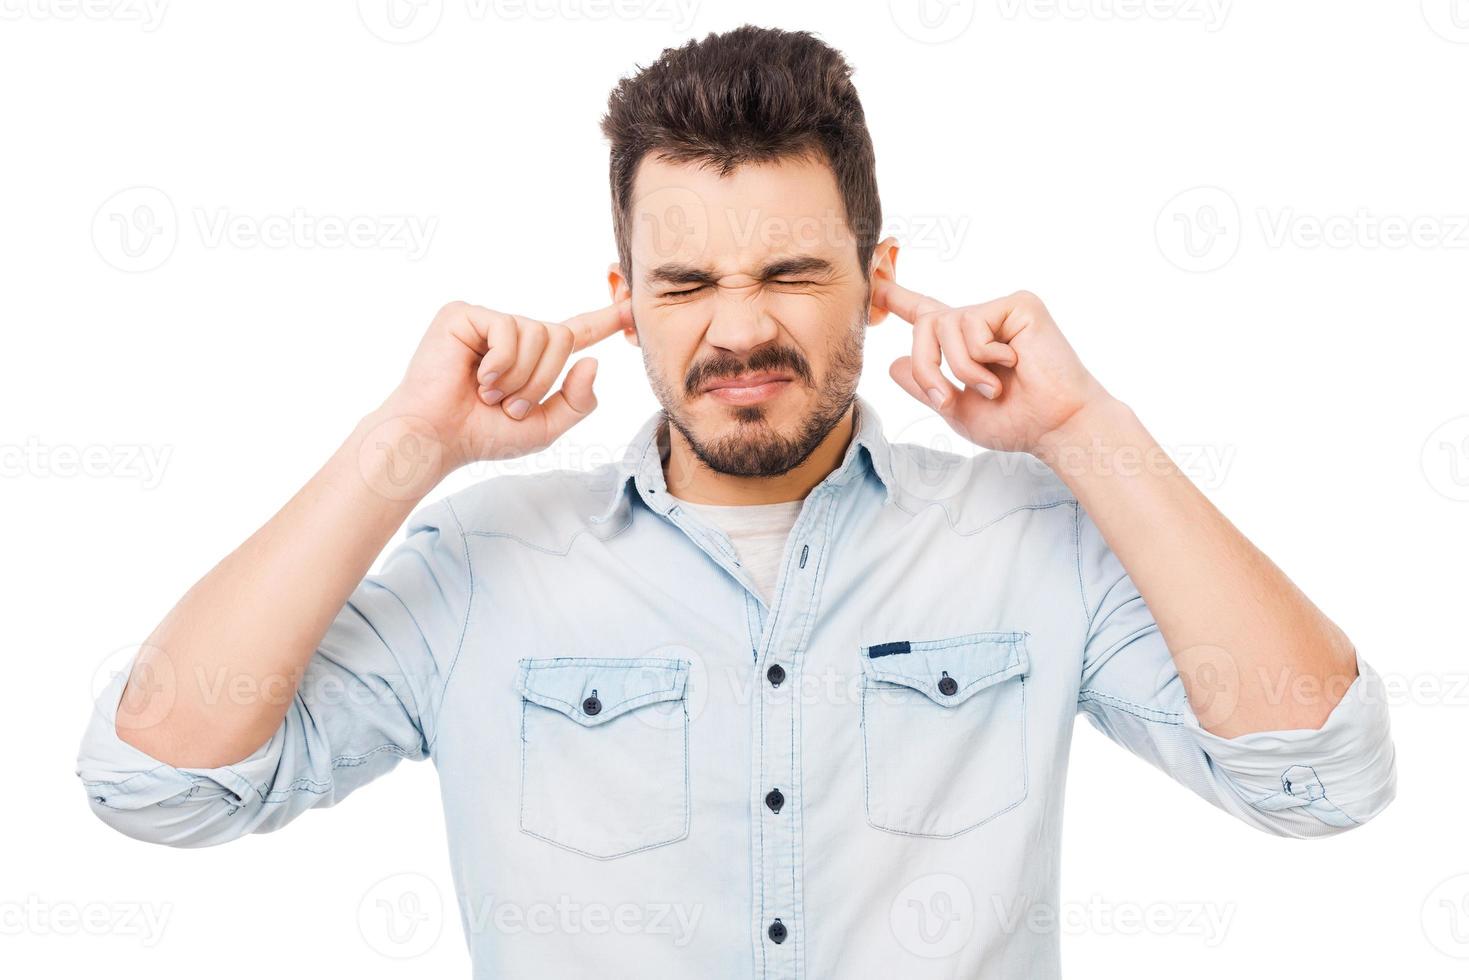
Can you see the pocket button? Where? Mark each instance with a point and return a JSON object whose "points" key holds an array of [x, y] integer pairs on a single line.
{"points": [[592, 705], [948, 687]]}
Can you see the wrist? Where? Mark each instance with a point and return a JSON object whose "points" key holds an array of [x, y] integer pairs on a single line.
{"points": [[1094, 416], [399, 452], [1090, 436]]}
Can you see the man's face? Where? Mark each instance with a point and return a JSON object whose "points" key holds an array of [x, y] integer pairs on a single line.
{"points": [[750, 307]]}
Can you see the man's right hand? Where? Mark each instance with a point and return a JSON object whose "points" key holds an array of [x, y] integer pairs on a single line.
{"points": [[477, 382]]}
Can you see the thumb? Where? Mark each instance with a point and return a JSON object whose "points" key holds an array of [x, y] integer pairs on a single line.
{"points": [[573, 401], [901, 371]]}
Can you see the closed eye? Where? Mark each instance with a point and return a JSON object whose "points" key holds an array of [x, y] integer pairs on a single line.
{"points": [[674, 294]]}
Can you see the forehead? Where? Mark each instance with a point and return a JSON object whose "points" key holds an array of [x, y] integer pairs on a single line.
{"points": [[688, 213]]}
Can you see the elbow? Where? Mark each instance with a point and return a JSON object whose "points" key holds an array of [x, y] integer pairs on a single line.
{"points": [[147, 799]]}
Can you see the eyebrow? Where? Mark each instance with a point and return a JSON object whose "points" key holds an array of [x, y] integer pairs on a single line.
{"points": [[675, 274]]}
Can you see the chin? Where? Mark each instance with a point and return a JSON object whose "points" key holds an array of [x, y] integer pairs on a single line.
{"points": [[723, 418]]}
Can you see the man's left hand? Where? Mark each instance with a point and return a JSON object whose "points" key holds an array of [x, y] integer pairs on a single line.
{"points": [[1022, 382]]}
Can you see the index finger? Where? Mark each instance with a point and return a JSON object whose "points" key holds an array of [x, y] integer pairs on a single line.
{"points": [[588, 328], [904, 302]]}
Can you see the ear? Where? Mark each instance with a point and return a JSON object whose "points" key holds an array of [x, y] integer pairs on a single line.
{"points": [[620, 290], [884, 266]]}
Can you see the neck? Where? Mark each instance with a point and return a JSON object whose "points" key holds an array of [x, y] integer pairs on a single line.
{"points": [[689, 479]]}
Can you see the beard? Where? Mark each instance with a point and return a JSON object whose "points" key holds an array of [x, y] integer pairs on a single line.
{"points": [[755, 447]]}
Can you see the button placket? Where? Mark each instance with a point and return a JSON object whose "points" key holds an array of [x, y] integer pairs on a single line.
{"points": [[776, 781]]}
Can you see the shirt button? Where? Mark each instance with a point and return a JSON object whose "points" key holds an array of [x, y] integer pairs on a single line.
{"points": [[777, 932], [775, 675], [948, 686], [592, 705], [775, 800]]}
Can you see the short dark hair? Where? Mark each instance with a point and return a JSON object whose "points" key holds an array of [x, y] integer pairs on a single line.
{"points": [[750, 95]]}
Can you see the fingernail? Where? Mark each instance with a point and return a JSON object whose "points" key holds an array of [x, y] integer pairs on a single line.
{"points": [[518, 408], [987, 391], [493, 396], [937, 397], [489, 379]]}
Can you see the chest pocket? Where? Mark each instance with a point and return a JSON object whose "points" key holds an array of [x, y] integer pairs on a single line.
{"points": [[943, 732], [604, 767]]}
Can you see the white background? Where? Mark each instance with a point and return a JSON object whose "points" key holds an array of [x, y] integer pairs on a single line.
{"points": [[161, 396]]}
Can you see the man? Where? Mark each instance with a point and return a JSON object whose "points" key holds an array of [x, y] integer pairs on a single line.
{"points": [[769, 673]]}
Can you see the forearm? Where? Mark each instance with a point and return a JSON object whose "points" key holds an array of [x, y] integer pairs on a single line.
{"points": [[1231, 618], [213, 681]]}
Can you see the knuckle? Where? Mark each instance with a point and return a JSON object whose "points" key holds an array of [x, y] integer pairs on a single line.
{"points": [[503, 343], [532, 332]]}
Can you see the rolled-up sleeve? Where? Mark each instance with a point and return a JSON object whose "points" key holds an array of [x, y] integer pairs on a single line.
{"points": [[367, 699], [1308, 782]]}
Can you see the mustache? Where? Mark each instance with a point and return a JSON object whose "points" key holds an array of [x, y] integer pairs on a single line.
{"points": [[718, 368]]}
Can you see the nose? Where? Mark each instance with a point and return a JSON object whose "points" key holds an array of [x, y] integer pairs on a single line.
{"points": [[739, 322]]}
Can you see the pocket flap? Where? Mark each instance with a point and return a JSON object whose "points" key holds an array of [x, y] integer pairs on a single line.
{"points": [[592, 691], [949, 670]]}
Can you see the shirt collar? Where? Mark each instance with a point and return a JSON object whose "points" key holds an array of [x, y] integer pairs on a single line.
{"points": [[642, 462]]}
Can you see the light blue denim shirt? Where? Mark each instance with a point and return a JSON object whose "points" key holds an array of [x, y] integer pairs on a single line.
{"points": [[852, 781]]}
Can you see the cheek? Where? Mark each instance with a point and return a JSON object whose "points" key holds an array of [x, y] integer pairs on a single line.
{"points": [[813, 318], [670, 335], [674, 331], [799, 311]]}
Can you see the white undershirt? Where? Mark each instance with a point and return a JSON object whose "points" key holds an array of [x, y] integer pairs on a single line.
{"points": [[758, 531]]}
